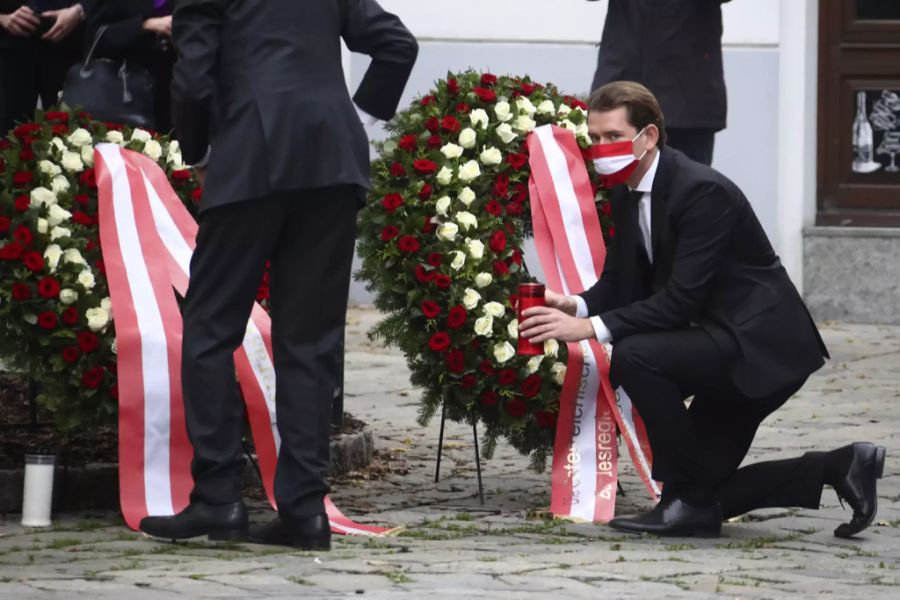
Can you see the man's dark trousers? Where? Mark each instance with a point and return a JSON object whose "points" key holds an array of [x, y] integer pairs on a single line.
{"points": [[697, 449], [309, 238]]}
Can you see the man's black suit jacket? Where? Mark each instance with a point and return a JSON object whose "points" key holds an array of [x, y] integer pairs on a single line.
{"points": [[274, 69], [713, 266]]}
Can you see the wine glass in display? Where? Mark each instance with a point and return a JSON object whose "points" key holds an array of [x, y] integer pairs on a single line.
{"points": [[890, 144]]}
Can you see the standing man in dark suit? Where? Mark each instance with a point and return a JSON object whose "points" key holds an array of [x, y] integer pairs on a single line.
{"points": [[696, 303], [674, 47], [288, 165]]}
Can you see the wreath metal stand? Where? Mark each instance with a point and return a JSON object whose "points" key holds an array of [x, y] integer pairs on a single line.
{"points": [[440, 451]]}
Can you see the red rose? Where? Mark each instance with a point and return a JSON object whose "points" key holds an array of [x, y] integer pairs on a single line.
{"points": [[527, 89], [22, 178], [408, 243], [87, 341], [58, 116], [48, 287], [70, 316], [531, 386], [514, 209], [428, 226], [488, 79], [82, 199], [114, 391], [92, 378], [498, 242], [450, 123], [11, 251], [21, 291], [2, 167], [432, 124], [91, 244], [485, 94], [23, 203], [33, 261], [463, 108], [442, 281], [494, 208], [469, 381], [520, 193], [515, 407], [513, 301], [23, 235], [517, 160], [612, 231], [452, 87], [82, 217], [456, 361], [507, 377], [509, 227], [113, 126], [408, 143], [439, 342], [101, 266], [423, 165], [60, 130], [545, 419], [501, 185], [181, 176], [197, 195], [435, 141], [26, 129], [70, 354], [425, 192], [487, 368], [516, 257], [26, 155], [389, 233], [262, 294], [4, 224], [89, 178], [489, 397], [426, 100], [4, 145], [501, 268], [430, 308], [391, 202], [606, 209], [47, 320], [423, 274], [456, 318], [435, 259], [397, 170]]}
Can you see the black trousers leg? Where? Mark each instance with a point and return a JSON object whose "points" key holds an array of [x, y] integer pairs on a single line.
{"points": [[794, 482], [696, 143], [309, 286]]}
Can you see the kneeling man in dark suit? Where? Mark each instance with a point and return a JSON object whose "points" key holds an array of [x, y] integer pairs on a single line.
{"points": [[696, 304]]}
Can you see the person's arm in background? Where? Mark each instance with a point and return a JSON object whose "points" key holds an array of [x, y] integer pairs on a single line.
{"points": [[22, 22], [124, 27], [66, 20]]}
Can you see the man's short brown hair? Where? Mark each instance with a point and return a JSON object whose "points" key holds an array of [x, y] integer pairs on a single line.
{"points": [[639, 102]]}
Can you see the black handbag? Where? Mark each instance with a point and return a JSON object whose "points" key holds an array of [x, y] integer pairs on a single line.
{"points": [[111, 90]]}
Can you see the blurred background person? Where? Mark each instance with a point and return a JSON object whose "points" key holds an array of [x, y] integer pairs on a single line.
{"points": [[673, 47], [139, 31], [39, 41]]}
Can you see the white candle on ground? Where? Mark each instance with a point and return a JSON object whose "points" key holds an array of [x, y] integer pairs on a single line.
{"points": [[38, 493]]}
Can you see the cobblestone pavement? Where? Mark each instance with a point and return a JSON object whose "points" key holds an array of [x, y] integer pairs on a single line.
{"points": [[454, 547]]}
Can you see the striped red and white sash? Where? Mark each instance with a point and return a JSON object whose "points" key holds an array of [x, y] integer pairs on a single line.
{"points": [[148, 236], [570, 246]]}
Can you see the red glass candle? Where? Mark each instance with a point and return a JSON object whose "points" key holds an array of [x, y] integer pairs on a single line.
{"points": [[530, 295]]}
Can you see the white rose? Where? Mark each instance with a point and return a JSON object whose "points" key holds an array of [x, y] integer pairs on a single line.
{"points": [[503, 352], [466, 220], [447, 231], [71, 161], [57, 214], [559, 372], [503, 112], [389, 147], [491, 156], [115, 137], [506, 133], [106, 304], [483, 280], [471, 298], [469, 171], [86, 279], [466, 196], [563, 110], [87, 155], [68, 296], [60, 184], [525, 106], [30, 318], [551, 348], [444, 176], [546, 108], [484, 326], [568, 125], [581, 130], [495, 309], [59, 232], [479, 118], [524, 124], [153, 149], [42, 225], [442, 204], [97, 318], [459, 260], [140, 135], [476, 248], [72, 255], [49, 168], [80, 137], [59, 144], [451, 151], [52, 254], [534, 363], [513, 329], [468, 138], [41, 196], [176, 160], [173, 148], [582, 111]]}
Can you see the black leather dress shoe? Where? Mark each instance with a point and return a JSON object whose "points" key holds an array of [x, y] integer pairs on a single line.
{"points": [[857, 487], [674, 517], [309, 533], [220, 522]]}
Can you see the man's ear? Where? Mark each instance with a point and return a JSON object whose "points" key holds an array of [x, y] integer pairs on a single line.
{"points": [[652, 136]]}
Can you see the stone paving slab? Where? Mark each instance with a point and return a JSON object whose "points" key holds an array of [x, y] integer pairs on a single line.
{"points": [[454, 547]]}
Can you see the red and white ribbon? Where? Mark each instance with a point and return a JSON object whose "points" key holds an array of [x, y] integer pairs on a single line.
{"points": [[570, 246], [148, 237]]}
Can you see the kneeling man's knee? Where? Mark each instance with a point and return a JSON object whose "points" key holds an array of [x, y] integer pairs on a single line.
{"points": [[629, 358]]}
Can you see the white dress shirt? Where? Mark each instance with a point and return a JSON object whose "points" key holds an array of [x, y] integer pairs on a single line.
{"points": [[645, 185]]}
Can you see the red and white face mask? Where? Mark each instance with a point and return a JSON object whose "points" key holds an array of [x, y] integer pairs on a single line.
{"points": [[616, 162]]}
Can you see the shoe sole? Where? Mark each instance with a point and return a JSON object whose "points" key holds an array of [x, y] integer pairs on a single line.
{"points": [[880, 455], [216, 536]]}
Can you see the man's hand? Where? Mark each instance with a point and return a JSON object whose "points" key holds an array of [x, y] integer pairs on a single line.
{"points": [[21, 23], [566, 304], [67, 19], [543, 323], [159, 25]]}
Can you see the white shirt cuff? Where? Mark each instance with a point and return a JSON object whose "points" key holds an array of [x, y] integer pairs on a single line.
{"points": [[602, 331], [581, 312], [365, 117]]}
